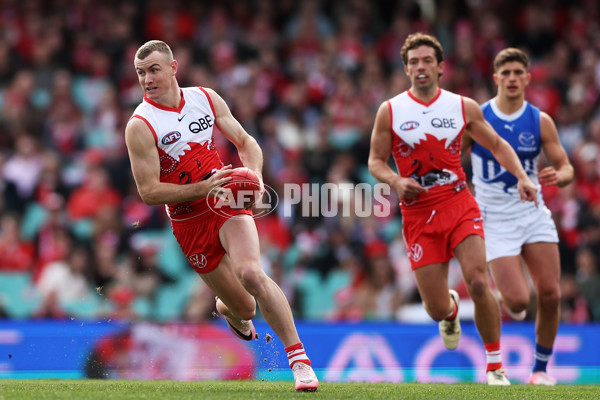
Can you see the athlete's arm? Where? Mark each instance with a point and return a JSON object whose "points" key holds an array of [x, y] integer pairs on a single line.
{"points": [[145, 166], [467, 141], [561, 172], [379, 154], [482, 132], [248, 149]]}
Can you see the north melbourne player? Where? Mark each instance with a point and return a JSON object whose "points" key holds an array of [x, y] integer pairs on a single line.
{"points": [[518, 232]]}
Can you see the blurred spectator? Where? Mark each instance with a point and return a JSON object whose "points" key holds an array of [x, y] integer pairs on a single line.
{"points": [[9, 201], [54, 236], [50, 180], [17, 107], [143, 272], [588, 173], [16, 254], [106, 260], [63, 124], [65, 282], [24, 167], [96, 193], [574, 308], [347, 114], [588, 278]]}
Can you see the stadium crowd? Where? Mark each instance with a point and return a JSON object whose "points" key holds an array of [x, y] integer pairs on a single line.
{"points": [[305, 79]]}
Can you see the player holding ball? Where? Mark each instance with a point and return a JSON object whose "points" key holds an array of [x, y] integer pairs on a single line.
{"points": [[174, 162]]}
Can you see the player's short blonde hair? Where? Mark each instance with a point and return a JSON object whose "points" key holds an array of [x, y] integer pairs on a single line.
{"points": [[154, 45], [511, 54]]}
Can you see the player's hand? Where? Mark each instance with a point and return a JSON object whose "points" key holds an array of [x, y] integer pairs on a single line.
{"points": [[548, 176], [408, 188], [527, 190], [214, 184]]}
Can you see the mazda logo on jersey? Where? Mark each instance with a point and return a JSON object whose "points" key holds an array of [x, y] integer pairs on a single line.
{"points": [[409, 126], [171, 138], [526, 139]]}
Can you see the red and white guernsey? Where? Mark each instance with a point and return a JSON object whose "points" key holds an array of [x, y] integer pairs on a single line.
{"points": [[426, 145], [184, 139]]}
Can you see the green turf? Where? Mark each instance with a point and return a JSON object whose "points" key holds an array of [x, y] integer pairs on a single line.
{"points": [[246, 390]]}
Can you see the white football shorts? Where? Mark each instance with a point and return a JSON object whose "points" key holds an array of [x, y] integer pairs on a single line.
{"points": [[505, 237]]}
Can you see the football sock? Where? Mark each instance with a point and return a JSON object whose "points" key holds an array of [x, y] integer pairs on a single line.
{"points": [[296, 353], [452, 314], [493, 356], [542, 356]]}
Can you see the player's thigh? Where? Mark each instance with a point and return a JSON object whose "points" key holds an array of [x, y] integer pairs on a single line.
{"points": [[239, 238], [225, 283], [471, 256], [510, 278], [432, 281], [543, 262]]}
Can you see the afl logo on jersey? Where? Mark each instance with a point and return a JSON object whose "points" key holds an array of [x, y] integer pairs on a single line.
{"points": [[527, 139], [171, 138], [409, 126]]}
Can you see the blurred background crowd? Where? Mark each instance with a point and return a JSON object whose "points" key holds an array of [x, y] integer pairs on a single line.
{"points": [[305, 78]]}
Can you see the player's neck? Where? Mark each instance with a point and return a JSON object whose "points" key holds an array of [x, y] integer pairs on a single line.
{"points": [[509, 105], [425, 94], [171, 99]]}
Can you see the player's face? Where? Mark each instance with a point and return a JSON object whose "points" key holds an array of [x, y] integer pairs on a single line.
{"points": [[155, 74], [422, 67], [511, 78]]}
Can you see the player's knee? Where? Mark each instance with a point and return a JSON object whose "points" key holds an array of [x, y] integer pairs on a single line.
{"points": [[549, 297], [247, 312], [477, 287], [243, 307], [517, 304], [437, 312], [253, 279]]}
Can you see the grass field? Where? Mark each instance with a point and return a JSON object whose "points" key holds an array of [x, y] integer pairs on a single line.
{"points": [[246, 390]]}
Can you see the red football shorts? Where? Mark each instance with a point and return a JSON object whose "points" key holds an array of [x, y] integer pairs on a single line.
{"points": [[431, 235], [199, 238]]}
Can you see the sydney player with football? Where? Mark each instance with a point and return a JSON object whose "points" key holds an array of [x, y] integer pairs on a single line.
{"points": [[422, 128], [174, 162], [516, 231]]}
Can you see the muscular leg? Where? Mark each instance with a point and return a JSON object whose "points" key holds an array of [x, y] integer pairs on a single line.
{"points": [[511, 282], [544, 266], [242, 261], [432, 281], [227, 286], [471, 255]]}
